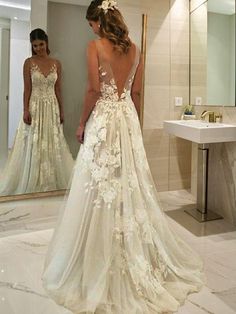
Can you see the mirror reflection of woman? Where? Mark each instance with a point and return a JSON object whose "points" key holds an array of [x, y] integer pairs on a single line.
{"points": [[40, 159], [113, 251]]}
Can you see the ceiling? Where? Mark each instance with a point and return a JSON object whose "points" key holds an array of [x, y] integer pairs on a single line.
{"points": [[15, 9]]}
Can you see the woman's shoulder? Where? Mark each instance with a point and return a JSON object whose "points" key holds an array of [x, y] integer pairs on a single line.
{"points": [[134, 46], [28, 63], [92, 47], [92, 44], [28, 60]]}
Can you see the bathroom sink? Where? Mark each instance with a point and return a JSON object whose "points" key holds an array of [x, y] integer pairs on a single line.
{"points": [[200, 131]]}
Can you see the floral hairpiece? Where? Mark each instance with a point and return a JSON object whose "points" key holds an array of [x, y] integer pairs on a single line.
{"points": [[108, 5]]}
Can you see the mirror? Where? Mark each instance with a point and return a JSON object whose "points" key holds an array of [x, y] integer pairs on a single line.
{"points": [[63, 19], [34, 158], [212, 53]]}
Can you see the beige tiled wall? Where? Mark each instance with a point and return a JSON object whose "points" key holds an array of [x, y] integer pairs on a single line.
{"points": [[166, 76], [180, 150]]}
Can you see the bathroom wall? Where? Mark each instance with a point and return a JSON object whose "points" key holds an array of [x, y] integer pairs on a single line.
{"points": [[167, 76]]}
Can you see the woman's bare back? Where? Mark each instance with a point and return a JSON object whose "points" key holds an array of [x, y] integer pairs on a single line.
{"points": [[121, 64]]}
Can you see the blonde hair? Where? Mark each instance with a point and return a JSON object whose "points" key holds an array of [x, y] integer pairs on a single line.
{"points": [[112, 25]]}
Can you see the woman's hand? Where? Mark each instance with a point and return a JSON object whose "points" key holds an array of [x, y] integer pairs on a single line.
{"points": [[61, 117], [27, 117], [80, 133]]}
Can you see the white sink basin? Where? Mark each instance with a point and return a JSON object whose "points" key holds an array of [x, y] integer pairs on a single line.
{"points": [[200, 131]]}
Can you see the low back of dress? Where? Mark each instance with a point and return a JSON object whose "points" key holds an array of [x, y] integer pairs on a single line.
{"points": [[116, 71]]}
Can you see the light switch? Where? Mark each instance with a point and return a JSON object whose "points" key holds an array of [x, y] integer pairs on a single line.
{"points": [[178, 101], [198, 101]]}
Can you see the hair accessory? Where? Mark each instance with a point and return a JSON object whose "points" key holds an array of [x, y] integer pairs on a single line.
{"points": [[108, 5]]}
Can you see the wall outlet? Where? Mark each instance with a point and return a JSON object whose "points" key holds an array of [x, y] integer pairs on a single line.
{"points": [[178, 101], [198, 101]]}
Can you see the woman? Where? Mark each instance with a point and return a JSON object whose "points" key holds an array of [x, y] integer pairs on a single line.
{"points": [[40, 159], [113, 251]]}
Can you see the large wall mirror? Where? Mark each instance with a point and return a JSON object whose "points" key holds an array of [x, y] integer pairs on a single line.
{"points": [[69, 33], [212, 53]]}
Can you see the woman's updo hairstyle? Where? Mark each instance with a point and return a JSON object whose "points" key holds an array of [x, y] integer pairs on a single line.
{"points": [[38, 34], [112, 25]]}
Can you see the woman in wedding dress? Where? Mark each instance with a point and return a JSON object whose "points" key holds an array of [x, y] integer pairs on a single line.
{"points": [[113, 251], [40, 159]]}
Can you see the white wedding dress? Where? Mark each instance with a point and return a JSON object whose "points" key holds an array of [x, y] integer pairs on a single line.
{"points": [[40, 159], [113, 251]]}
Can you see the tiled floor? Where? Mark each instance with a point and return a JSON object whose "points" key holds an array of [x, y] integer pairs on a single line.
{"points": [[26, 229]]}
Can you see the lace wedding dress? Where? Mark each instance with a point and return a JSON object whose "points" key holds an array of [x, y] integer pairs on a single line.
{"points": [[113, 251], [40, 159]]}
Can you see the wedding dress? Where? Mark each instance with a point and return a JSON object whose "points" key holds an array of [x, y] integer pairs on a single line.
{"points": [[113, 251], [40, 159]]}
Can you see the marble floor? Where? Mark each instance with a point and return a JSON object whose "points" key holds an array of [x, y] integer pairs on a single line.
{"points": [[26, 228]]}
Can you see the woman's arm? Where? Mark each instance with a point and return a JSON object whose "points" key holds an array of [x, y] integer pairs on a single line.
{"points": [[27, 91], [137, 86], [58, 91], [93, 89]]}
